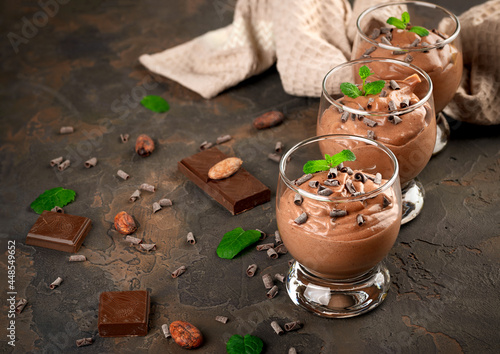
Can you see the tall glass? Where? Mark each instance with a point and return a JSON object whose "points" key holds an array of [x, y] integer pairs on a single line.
{"points": [[408, 130], [339, 247], [439, 53]]}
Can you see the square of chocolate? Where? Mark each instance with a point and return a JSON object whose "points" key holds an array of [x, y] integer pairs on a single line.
{"points": [[123, 313], [62, 232], [237, 193]]}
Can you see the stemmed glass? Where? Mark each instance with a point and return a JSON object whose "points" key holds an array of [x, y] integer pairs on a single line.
{"points": [[342, 237], [439, 53]]}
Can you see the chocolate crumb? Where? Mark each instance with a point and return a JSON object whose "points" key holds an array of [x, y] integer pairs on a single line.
{"points": [[335, 213], [268, 281], [277, 329], [370, 134], [408, 58], [272, 292], [221, 319], [369, 122], [297, 200], [252, 268], [303, 179], [375, 33], [302, 218], [293, 326], [223, 138], [360, 219], [344, 117], [405, 103], [178, 272], [394, 85]]}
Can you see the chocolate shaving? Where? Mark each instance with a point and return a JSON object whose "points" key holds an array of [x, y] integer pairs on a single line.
{"points": [[165, 202], [314, 184], [332, 173], [281, 249], [263, 235], [386, 41], [136, 195], [178, 272], [277, 329], [252, 268], [277, 237], [56, 283], [440, 34], [21, 304], [279, 277], [378, 178], [340, 109], [405, 103], [293, 326], [439, 44], [335, 213], [264, 246], [156, 207], [416, 42], [394, 120], [57, 209], [272, 292], [394, 85], [383, 93], [385, 30], [347, 170], [147, 187], [274, 157], [205, 145], [290, 262], [408, 58], [392, 105], [360, 219], [190, 238], [297, 200], [370, 50], [375, 33], [124, 137], [268, 281], [399, 52], [344, 117], [166, 330], [359, 176], [385, 202], [370, 134], [66, 130], [148, 246], [122, 175], [221, 319], [302, 218], [56, 161], [91, 162], [133, 240], [292, 350], [84, 342], [63, 165], [223, 139], [369, 103], [350, 187], [388, 35], [325, 192], [278, 147], [272, 254], [369, 122], [77, 258], [303, 179], [331, 182]]}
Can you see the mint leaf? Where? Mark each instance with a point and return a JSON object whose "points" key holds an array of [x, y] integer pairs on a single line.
{"points": [[244, 345], [372, 88], [364, 72], [235, 241], [350, 90], [316, 166], [155, 103], [51, 198], [421, 31], [344, 155], [405, 17], [396, 22]]}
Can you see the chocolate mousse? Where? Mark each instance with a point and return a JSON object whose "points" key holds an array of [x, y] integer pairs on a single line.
{"points": [[341, 237]]}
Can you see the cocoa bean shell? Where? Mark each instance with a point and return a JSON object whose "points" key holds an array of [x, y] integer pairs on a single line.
{"points": [[144, 145], [124, 223], [268, 120], [186, 335]]}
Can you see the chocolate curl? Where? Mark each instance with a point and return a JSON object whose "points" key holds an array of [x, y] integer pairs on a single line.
{"points": [[178, 272], [148, 246], [124, 137], [165, 202], [221, 319], [279, 277], [278, 147], [292, 350], [360, 219], [385, 202], [66, 130], [190, 238], [57, 209], [205, 145], [297, 200], [56, 283], [268, 281], [293, 326], [84, 342], [281, 249], [91, 162], [274, 157], [147, 187], [252, 268], [56, 161], [64, 165], [156, 207], [263, 235], [133, 240], [271, 253], [136, 195], [290, 262], [394, 85], [122, 175], [303, 179], [273, 292], [277, 329], [302, 218], [166, 330], [277, 237], [21, 304], [264, 246], [77, 258], [223, 138]]}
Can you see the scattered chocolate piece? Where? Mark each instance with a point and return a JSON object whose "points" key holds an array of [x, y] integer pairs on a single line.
{"points": [[350, 187], [166, 331], [278, 147], [264, 246], [416, 42], [156, 207], [274, 157], [66, 130], [314, 184], [369, 103], [394, 85], [57, 209], [385, 30], [279, 277], [56, 283], [392, 106], [56, 161], [347, 170], [370, 50], [63, 165], [293, 326], [268, 281], [375, 33], [147, 187], [359, 176], [263, 235], [281, 249], [439, 44], [277, 237], [122, 175], [124, 137], [21, 304], [272, 292], [292, 350], [271, 253], [297, 200], [91, 162], [408, 58], [165, 202], [303, 179], [399, 52], [332, 173], [386, 41], [277, 329], [178, 272], [144, 145], [190, 238], [133, 240], [136, 195], [290, 262], [378, 178], [360, 219], [148, 246], [77, 258], [331, 182], [340, 109], [268, 120], [344, 117], [221, 319], [385, 202], [302, 218], [223, 139], [383, 93], [405, 103], [394, 119], [354, 116], [388, 35], [325, 192], [84, 342], [205, 145], [335, 213], [370, 134], [252, 268], [369, 122]]}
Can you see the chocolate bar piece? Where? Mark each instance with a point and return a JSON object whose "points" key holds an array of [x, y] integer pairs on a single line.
{"points": [[123, 313], [237, 193], [62, 232]]}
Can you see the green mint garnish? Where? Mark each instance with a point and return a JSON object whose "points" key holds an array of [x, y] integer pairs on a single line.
{"points": [[155, 103], [314, 166], [52, 198], [370, 88], [244, 345], [235, 241], [403, 23]]}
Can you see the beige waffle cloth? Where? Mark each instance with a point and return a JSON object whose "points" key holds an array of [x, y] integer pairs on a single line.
{"points": [[306, 38]]}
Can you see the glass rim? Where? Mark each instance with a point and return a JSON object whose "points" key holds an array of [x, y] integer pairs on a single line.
{"points": [[448, 40], [390, 182], [398, 111]]}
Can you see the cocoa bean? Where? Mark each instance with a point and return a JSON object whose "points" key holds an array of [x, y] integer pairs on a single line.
{"points": [[144, 145], [268, 120], [225, 168], [124, 223], [186, 335]]}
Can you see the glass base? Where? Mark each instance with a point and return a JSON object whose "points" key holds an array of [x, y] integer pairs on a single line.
{"points": [[337, 298], [442, 133], [412, 195]]}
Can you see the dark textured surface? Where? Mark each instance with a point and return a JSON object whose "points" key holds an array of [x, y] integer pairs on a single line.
{"points": [[81, 69]]}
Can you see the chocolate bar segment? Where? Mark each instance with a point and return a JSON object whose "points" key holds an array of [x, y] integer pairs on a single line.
{"points": [[123, 313], [62, 232], [237, 193]]}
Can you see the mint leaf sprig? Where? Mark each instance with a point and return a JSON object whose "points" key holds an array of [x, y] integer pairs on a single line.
{"points": [[314, 166], [370, 88], [244, 345], [403, 23], [235, 241]]}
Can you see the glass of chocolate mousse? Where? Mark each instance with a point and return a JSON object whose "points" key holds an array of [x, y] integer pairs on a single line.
{"points": [[424, 34], [388, 101], [338, 220]]}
